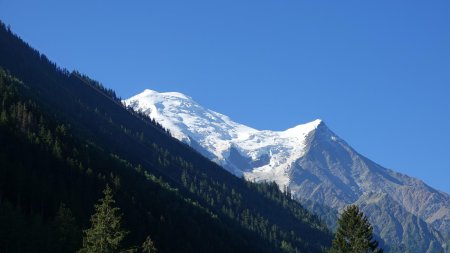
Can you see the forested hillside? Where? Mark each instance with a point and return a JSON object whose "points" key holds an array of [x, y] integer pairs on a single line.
{"points": [[64, 137]]}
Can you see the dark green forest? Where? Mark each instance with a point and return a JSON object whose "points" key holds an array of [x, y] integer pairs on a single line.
{"points": [[64, 137]]}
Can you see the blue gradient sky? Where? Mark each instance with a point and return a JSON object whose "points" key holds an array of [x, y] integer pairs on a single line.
{"points": [[377, 72]]}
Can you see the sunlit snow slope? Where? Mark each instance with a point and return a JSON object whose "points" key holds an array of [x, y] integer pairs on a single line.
{"points": [[259, 155], [319, 168]]}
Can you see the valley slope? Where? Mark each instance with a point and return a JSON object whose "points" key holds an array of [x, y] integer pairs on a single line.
{"points": [[64, 137]]}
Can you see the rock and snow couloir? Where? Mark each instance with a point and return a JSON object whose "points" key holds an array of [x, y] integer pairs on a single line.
{"points": [[316, 165]]}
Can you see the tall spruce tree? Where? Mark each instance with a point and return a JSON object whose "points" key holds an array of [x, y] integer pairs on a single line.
{"points": [[68, 235], [354, 233], [105, 233], [148, 246]]}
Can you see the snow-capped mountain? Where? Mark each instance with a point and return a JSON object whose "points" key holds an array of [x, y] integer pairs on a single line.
{"points": [[318, 167], [259, 155]]}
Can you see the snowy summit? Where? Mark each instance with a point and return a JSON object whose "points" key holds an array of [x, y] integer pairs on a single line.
{"points": [[256, 154]]}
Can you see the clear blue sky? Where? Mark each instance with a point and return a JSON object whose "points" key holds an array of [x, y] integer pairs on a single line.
{"points": [[377, 72]]}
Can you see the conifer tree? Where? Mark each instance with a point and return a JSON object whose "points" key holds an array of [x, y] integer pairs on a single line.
{"points": [[105, 233], [354, 233], [68, 234], [148, 246]]}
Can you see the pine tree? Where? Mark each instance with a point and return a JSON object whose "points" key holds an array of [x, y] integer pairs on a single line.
{"points": [[148, 246], [67, 233], [354, 233], [287, 247], [105, 233]]}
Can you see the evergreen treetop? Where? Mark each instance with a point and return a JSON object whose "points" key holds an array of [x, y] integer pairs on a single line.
{"points": [[354, 233], [105, 233]]}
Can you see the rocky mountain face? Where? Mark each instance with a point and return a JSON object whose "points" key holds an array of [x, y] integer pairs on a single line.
{"points": [[319, 168]]}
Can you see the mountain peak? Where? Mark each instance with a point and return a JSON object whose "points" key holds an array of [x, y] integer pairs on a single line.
{"points": [[176, 94], [153, 93], [303, 129], [313, 124], [148, 91], [237, 147], [317, 121], [319, 124]]}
